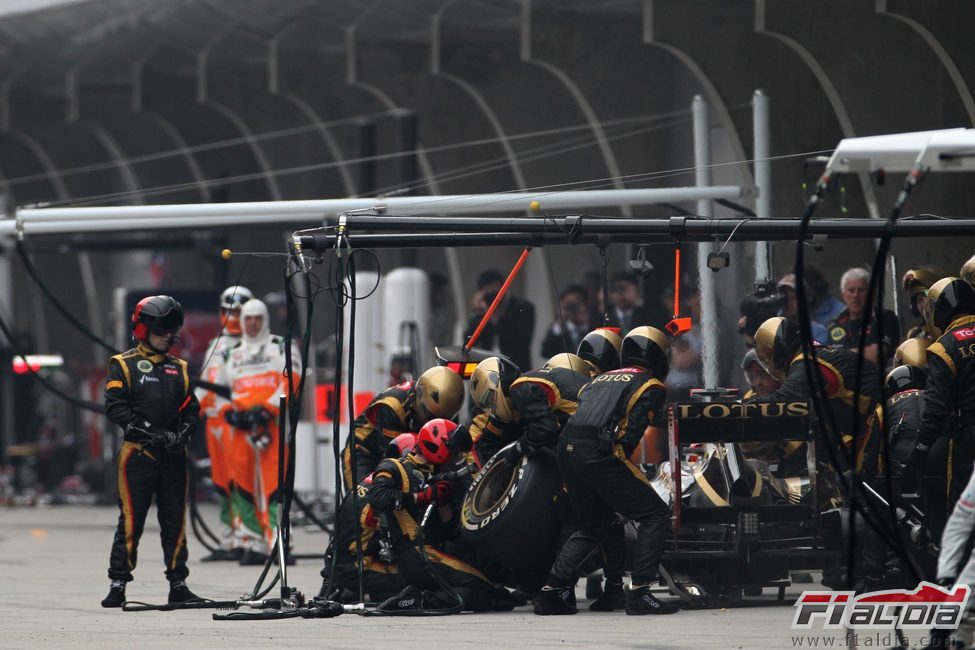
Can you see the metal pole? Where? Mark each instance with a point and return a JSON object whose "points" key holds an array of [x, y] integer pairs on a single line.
{"points": [[708, 296], [763, 179], [7, 420]]}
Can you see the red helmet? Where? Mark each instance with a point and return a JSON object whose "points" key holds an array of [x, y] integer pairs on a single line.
{"points": [[433, 438], [401, 444], [157, 314]]}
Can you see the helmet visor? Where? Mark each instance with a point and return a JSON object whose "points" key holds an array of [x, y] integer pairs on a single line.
{"points": [[169, 323]]}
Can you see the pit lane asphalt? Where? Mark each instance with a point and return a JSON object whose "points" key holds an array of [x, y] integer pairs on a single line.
{"points": [[53, 563]]}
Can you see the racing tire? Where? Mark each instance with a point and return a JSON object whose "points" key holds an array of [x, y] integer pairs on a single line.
{"points": [[508, 514]]}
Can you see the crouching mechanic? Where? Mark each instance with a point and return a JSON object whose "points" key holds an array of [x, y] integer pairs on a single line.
{"points": [[401, 492], [148, 395], [404, 408], [613, 412], [255, 371], [380, 579], [219, 433]]}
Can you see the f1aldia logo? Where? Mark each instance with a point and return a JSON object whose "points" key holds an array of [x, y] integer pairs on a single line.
{"points": [[927, 606]]}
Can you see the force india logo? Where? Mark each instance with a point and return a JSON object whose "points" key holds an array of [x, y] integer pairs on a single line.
{"points": [[928, 606]]}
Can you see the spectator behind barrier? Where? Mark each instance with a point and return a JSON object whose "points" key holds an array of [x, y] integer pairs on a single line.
{"points": [[844, 330], [823, 306], [627, 309], [790, 308], [574, 305], [512, 324]]}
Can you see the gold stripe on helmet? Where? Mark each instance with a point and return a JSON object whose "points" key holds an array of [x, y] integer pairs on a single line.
{"points": [[765, 346], [568, 361], [967, 272], [652, 333], [612, 337], [912, 352]]}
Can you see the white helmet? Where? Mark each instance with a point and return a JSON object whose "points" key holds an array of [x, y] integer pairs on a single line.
{"points": [[234, 297], [255, 307]]}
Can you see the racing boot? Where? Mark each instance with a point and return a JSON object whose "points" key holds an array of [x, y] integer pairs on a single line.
{"points": [[180, 593], [222, 555], [640, 601], [409, 599], [611, 599], [556, 601], [116, 595], [252, 558]]}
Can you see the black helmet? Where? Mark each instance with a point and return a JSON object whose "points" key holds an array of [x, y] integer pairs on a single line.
{"points": [[157, 314], [647, 347], [601, 348], [947, 298], [904, 378], [776, 345]]}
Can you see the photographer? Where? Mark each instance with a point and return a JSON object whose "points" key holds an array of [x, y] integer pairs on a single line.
{"points": [[513, 323], [755, 308]]}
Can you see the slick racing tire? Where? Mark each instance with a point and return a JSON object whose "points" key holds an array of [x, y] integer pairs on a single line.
{"points": [[508, 514]]}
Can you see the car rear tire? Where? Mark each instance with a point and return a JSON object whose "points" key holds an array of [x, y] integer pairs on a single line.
{"points": [[508, 513]]}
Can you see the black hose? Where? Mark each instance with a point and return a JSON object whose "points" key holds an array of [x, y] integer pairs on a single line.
{"points": [[350, 409], [61, 309], [819, 396], [70, 399], [196, 520]]}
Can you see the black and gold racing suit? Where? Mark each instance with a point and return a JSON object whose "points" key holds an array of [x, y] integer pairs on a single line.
{"points": [[380, 579], [593, 450], [949, 400], [838, 369], [389, 497], [389, 414], [146, 392], [544, 400]]}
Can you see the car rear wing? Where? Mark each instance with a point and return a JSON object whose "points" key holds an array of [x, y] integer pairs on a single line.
{"points": [[725, 422]]}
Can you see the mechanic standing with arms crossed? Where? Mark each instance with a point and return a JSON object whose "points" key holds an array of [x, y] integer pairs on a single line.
{"points": [[220, 434], [613, 412], [148, 394]]}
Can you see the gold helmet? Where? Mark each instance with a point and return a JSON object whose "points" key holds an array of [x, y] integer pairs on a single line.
{"points": [[489, 387], [921, 278], [569, 361], [439, 393], [647, 347], [916, 282], [601, 348], [947, 299], [967, 272], [912, 352], [776, 344]]}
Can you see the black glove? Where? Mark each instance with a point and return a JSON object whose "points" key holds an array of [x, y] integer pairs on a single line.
{"points": [[947, 582], [524, 447], [145, 431], [235, 419], [460, 440], [258, 415]]}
